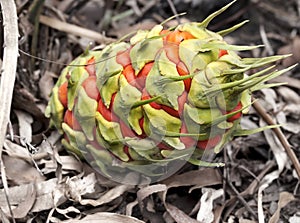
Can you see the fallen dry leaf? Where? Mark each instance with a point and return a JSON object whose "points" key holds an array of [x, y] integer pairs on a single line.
{"points": [[292, 110], [23, 208], [294, 219], [108, 196], [152, 189], [290, 81], [67, 211], [105, 217], [20, 172], [146, 206], [202, 177], [289, 124], [205, 213], [266, 181], [3, 217], [44, 195], [130, 206], [289, 95], [276, 147], [178, 215], [292, 48], [49, 195], [46, 84], [25, 120], [269, 101], [15, 150], [284, 199], [246, 221], [78, 187], [68, 163]]}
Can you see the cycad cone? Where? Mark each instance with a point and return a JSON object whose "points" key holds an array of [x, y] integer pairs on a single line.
{"points": [[167, 97]]}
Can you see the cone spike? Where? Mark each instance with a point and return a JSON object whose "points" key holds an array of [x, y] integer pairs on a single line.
{"points": [[145, 102], [178, 134], [262, 86], [87, 49], [231, 85], [246, 132], [172, 17], [126, 36], [206, 21], [165, 80], [271, 76], [259, 80], [226, 116], [257, 62], [232, 29]]}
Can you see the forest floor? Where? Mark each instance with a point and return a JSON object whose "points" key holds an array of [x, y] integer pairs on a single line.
{"points": [[44, 183]]}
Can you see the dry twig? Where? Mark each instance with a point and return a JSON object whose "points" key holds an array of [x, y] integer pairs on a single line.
{"points": [[9, 65], [8, 75], [73, 29], [268, 119]]}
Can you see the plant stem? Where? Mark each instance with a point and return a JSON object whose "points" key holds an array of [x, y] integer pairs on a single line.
{"points": [[8, 76], [268, 119]]}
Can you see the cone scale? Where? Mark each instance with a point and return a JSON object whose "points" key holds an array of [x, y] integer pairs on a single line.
{"points": [[167, 96]]}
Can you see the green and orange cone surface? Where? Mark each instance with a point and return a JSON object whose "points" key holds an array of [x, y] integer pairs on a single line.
{"points": [[167, 96]]}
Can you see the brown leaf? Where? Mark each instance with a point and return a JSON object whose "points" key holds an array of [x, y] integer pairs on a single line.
{"points": [[25, 101], [78, 187], [69, 163], [20, 171], [46, 84], [25, 206], [284, 199], [292, 82], [21, 201], [15, 150], [269, 101], [289, 118], [25, 120], [147, 206], [276, 147], [4, 217], [205, 213], [108, 196], [130, 206], [67, 211], [246, 221], [294, 219], [178, 215], [147, 191], [292, 48], [44, 199], [107, 217], [202, 177], [289, 95]]}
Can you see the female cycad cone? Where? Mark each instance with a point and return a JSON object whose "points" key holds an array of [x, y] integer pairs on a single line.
{"points": [[167, 96]]}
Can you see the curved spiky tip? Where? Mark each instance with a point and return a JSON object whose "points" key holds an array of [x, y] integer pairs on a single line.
{"points": [[172, 17], [206, 21], [232, 29]]}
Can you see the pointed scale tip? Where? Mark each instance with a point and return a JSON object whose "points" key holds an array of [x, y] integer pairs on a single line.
{"points": [[172, 17], [286, 56], [232, 29], [206, 21]]}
